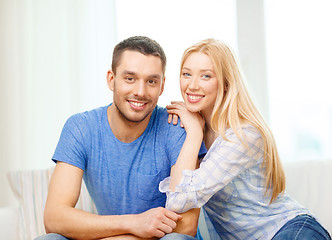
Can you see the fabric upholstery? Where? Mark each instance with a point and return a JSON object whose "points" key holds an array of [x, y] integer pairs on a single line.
{"points": [[30, 188]]}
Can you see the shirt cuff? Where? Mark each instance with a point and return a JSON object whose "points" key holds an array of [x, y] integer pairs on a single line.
{"points": [[185, 185]]}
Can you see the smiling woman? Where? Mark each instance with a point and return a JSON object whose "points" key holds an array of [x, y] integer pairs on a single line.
{"points": [[198, 82]]}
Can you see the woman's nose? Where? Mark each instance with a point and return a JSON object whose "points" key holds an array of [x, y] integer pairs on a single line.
{"points": [[194, 83]]}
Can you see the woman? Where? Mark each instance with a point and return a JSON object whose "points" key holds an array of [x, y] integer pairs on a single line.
{"points": [[240, 182]]}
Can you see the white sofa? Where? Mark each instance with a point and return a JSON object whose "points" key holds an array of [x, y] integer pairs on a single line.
{"points": [[308, 182]]}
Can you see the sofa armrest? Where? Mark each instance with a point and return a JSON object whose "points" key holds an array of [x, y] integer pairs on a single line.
{"points": [[9, 223]]}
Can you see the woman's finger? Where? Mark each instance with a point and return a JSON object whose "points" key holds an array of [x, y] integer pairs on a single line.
{"points": [[173, 106], [177, 102], [175, 119], [170, 117]]}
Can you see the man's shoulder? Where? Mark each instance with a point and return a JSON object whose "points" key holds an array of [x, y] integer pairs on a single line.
{"points": [[161, 110], [161, 121], [87, 118], [161, 116], [93, 114]]}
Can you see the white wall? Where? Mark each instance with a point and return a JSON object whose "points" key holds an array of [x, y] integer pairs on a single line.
{"points": [[252, 51], [54, 59]]}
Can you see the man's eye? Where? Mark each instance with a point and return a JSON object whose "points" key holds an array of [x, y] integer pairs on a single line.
{"points": [[152, 81], [130, 79]]}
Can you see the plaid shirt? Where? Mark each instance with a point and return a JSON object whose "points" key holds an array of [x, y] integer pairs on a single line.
{"points": [[230, 184]]}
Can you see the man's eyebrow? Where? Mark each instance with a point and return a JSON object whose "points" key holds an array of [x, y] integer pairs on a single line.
{"points": [[126, 72], [155, 76]]}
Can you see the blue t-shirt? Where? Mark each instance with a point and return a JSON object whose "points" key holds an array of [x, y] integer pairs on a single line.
{"points": [[122, 178]]}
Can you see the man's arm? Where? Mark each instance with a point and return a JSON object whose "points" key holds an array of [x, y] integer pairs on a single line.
{"points": [[187, 225], [63, 218]]}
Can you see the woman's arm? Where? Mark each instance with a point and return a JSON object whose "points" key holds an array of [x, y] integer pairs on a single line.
{"points": [[224, 161], [187, 159]]}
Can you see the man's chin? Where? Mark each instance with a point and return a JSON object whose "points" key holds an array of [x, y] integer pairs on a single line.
{"points": [[136, 118]]}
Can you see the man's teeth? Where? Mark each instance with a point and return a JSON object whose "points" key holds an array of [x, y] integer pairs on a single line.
{"points": [[195, 98], [137, 104]]}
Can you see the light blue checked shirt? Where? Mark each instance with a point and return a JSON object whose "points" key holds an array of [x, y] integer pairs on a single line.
{"points": [[230, 184]]}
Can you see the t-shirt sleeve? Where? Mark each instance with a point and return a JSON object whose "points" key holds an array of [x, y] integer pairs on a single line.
{"points": [[71, 146], [176, 138]]}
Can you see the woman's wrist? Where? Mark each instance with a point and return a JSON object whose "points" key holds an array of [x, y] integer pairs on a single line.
{"points": [[196, 134]]}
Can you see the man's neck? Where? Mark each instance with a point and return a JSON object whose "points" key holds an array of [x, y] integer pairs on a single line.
{"points": [[124, 130]]}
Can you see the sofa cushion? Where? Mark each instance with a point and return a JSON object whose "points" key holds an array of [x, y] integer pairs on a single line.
{"points": [[30, 188], [309, 182], [8, 223]]}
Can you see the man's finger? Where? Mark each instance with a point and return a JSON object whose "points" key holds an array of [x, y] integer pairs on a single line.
{"points": [[159, 234], [165, 228], [172, 215], [169, 222]]}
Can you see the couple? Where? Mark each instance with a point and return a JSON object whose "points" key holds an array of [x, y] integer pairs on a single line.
{"points": [[124, 150]]}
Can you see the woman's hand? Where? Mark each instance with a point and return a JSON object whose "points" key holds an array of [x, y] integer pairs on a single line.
{"points": [[191, 121]]}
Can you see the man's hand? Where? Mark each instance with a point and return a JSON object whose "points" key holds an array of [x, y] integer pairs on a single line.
{"points": [[127, 237], [155, 222]]}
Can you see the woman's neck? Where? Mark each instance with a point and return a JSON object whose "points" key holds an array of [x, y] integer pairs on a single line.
{"points": [[209, 134]]}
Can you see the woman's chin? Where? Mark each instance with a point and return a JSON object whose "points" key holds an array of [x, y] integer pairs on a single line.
{"points": [[192, 108]]}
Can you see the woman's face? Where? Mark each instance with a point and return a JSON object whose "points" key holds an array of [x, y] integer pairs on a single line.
{"points": [[198, 83]]}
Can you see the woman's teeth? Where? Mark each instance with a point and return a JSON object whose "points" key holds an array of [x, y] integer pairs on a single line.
{"points": [[195, 98]]}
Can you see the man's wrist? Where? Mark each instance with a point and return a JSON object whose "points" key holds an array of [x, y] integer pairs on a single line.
{"points": [[128, 223]]}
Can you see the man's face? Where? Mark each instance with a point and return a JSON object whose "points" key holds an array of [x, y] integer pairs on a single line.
{"points": [[137, 85]]}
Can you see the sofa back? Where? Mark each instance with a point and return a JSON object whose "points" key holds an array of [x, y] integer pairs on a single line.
{"points": [[30, 189]]}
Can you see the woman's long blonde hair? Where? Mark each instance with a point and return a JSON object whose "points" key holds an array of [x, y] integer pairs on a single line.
{"points": [[234, 105]]}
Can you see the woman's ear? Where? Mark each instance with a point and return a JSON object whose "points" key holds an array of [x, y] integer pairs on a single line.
{"points": [[226, 87]]}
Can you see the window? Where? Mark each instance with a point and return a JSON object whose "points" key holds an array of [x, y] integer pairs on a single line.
{"points": [[299, 50]]}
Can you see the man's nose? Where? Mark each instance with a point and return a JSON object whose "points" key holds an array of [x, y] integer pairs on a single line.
{"points": [[139, 89]]}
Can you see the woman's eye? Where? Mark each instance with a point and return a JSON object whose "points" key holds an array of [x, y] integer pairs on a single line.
{"points": [[186, 74], [206, 76]]}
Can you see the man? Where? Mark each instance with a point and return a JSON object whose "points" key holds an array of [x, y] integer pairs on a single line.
{"points": [[122, 151]]}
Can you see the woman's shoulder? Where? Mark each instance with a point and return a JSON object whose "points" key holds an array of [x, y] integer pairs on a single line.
{"points": [[247, 134], [248, 130]]}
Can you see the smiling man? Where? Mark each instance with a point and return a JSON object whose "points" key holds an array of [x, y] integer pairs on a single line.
{"points": [[122, 151]]}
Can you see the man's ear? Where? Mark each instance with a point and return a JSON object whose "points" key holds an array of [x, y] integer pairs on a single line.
{"points": [[162, 86], [110, 80]]}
